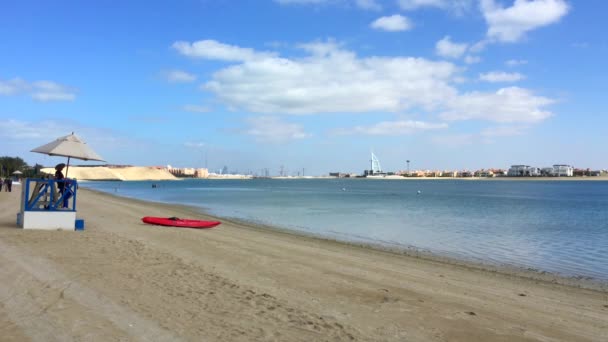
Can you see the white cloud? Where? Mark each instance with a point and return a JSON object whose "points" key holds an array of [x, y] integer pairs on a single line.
{"points": [[511, 104], [38, 90], [13, 87], [300, 2], [457, 6], [273, 130], [20, 130], [393, 128], [503, 131], [332, 80], [368, 5], [479, 46], [211, 49], [178, 76], [196, 108], [516, 62], [446, 48], [511, 23], [470, 59], [363, 4], [394, 23], [453, 140], [501, 76], [415, 4], [48, 96]]}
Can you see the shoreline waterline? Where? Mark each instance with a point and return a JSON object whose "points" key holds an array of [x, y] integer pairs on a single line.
{"points": [[408, 252], [558, 227]]}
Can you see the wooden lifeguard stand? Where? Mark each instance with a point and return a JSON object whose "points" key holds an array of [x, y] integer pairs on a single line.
{"points": [[43, 206]]}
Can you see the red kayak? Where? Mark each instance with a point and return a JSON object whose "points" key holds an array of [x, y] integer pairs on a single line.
{"points": [[181, 223]]}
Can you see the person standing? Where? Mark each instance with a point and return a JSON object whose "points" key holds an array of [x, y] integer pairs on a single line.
{"points": [[61, 183], [9, 184], [1, 184]]}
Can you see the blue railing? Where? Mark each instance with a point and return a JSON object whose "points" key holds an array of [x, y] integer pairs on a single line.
{"points": [[50, 195]]}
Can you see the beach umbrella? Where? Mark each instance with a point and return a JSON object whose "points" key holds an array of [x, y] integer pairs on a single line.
{"points": [[70, 146], [17, 172]]}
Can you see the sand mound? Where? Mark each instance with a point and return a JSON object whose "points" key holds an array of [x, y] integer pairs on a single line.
{"points": [[130, 173]]}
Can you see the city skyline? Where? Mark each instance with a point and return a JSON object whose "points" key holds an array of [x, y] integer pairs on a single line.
{"points": [[313, 84]]}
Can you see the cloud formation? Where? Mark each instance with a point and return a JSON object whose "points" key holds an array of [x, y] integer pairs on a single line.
{"points": [[501, 76], [23, 130], [457, 6], [393, 23], [507, 105], [446, 48], [402, 127], [270, 129], [511, 23], [179, 76], [211, 49], [331, 79], [42, 91], [368, 5], [363, 4], [516, 62], [503, 131], [300, 2]]}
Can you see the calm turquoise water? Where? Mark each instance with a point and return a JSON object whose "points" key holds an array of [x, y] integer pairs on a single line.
{"points": [[558, 227]]}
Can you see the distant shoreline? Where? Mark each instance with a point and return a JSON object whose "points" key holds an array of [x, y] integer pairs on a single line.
{"points": [[598, 178]]}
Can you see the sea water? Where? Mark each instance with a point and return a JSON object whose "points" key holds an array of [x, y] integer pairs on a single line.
{"points": [[555, 226]]}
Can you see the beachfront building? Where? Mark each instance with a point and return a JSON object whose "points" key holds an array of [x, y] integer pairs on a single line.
{"points": [[484, 173], [546, 172], [465, 174], [201, 173], [523, 171], [188, 172], [339, 175], [560, 170], [587, 173], [449, 174], [376, 170]]}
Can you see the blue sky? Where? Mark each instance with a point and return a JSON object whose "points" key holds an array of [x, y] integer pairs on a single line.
{"points": [[308, 84]]}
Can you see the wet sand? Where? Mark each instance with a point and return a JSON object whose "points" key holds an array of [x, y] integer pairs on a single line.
{"points": [[121, 280]]}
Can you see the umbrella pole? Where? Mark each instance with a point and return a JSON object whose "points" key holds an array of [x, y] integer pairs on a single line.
{"points": [[67, 168]]}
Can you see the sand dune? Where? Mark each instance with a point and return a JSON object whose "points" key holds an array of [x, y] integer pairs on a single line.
{"points": [[131, 173]]}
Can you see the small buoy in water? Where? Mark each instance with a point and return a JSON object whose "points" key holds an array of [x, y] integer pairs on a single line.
{"points": [[419, 192], [343, 189]]}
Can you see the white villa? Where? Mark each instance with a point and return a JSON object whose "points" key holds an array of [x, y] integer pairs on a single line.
{"points": [[563, 170], [557, 170], [523, 171]]}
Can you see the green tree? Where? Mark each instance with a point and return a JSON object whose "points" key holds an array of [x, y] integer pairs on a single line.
{"points": [[8, 165]]}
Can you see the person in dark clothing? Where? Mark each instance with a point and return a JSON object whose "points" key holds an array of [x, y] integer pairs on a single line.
{"points": [[9, 184], [1, 184], [61, 183]]}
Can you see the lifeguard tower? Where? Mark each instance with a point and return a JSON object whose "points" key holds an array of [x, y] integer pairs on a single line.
{"points": [[44, 206], [49, 203]]}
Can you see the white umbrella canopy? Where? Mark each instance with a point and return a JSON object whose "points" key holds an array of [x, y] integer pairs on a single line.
{"points": [[70, 146], [17, 172]]}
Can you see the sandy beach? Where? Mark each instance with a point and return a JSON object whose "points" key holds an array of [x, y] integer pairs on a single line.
{"points": [[121, 280]]}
